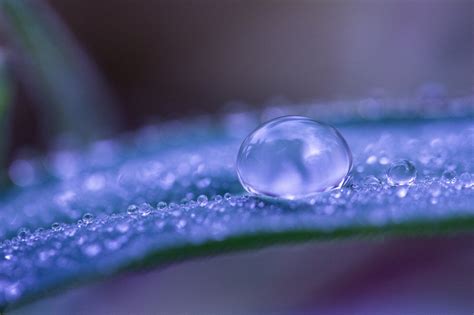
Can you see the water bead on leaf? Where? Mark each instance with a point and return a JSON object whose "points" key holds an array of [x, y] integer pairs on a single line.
{"points": [[202, 200], [402, 191], [132, 209], [449, 177], [293, 157], [371, 182], [401, 173], [145, 209], [466, 180], [23, 233], [161, 205], [56, 226], [87, 218]]}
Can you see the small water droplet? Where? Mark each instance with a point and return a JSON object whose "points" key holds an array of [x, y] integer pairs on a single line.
{"points": [[161, 205], [87, 218], [112, 244], [336, 194], [92, 250], [202, 200], [371, 181], [328, 210], [293, 157], [132, 209], [203, 183], [401, 173], [372, 159], [94, 182], [465, 179], [56, 226], [449, 177], [12, 291], [435, 189], [122, 227], [383, 160], [145, 209], [402, 192], [23, 233], [181, 224]]}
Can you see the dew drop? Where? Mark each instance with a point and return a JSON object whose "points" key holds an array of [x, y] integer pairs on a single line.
{"points": [[23, 233], [435, 189], [293, 157], [122, 227], [360, 168], [12, 291], [91, 250], [337, 194], [145, 209], [401, 173], [384, 160], [132, 209], [202, 200], [161, 205], [56, 226], [371, 159], [449, 177], [112, 244], [94, 182], [203, 183], [372, 182], [465, 179], [87, 218], [181, 224], [402, 192]]}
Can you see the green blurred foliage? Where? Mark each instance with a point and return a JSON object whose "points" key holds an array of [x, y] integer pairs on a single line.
{"points": [[72, 97], [6, 95]]}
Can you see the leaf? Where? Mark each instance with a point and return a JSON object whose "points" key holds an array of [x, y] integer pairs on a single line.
{"points": [[73, 95], [102, 211], [6, 95]]}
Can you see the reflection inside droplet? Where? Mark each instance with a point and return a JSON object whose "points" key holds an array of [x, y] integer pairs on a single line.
{"points": [[292, 157]]}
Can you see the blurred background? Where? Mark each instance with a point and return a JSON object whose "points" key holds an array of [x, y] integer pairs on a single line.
{"points": [[167, 59], [172, 58]]}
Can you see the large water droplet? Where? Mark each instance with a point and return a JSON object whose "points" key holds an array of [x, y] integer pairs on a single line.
{"points": [[401, 173], [293, 157]]}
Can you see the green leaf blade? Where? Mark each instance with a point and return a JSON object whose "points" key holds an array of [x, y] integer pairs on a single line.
{"points": [[73, 97]]}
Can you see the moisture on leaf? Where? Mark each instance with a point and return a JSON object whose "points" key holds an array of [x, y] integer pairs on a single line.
{"points": [[171, 192]]}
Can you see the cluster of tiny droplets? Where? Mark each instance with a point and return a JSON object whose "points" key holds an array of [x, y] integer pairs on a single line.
{"points": [[174, 184]]}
